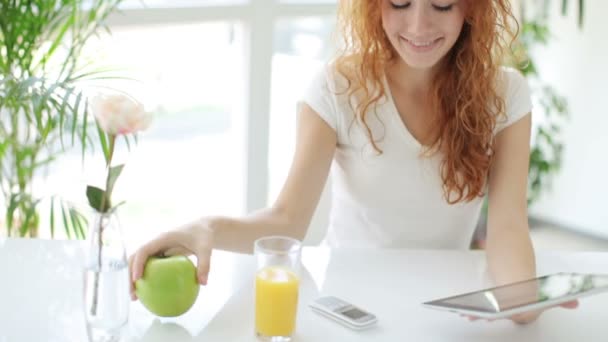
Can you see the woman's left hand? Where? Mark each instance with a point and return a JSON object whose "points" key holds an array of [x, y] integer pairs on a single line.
{"points": [[528, 317]]}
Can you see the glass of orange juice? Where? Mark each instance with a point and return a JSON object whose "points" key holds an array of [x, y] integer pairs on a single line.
{"points": [[276, 287]]}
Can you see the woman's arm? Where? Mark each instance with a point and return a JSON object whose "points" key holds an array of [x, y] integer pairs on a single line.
{"points": [[292, 211], [290, 215], [510, 253]]}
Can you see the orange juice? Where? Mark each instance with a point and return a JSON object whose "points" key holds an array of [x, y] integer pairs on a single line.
{"points": [[276, 301]]}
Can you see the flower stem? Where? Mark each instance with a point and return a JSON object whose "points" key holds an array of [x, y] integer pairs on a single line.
{"points": [[112, 141], [98, 270], [104, 200], [106, 195]]}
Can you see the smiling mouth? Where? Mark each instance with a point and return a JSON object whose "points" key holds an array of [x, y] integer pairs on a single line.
{"points": [[422, 45]]}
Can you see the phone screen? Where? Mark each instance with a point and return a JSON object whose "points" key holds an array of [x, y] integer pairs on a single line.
{"points": [[354, 313], [497, 299]]}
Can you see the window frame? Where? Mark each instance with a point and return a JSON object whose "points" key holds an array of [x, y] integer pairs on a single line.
{"points": [[258, 18]]}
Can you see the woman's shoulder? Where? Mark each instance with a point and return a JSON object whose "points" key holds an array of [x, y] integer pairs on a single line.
{"points": [[332, 78], [513, 88], [510, 80]]}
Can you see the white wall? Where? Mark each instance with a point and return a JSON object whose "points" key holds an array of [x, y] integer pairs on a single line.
{"points": [[576, 64]]}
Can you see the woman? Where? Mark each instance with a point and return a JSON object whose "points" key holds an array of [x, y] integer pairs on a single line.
{"points": [[420, 121]]}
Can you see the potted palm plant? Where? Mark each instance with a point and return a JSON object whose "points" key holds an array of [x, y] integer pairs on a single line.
{"points": [[547, 146], [43, 105], [546, 151]]}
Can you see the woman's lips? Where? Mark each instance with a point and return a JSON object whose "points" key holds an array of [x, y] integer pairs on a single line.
{"points": [[422, 46]]}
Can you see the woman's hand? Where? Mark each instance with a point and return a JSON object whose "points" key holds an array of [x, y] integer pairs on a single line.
{"points": [[529, 317], [195, 238]]}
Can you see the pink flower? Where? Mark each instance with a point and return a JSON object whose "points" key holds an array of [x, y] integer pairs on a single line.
{"points": [[119, 114]]}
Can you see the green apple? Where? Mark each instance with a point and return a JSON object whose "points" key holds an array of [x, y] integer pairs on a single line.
{"points": [[168, 287]]}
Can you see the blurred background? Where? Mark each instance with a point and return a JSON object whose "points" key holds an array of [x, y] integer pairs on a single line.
{"points": [[223, 78]]}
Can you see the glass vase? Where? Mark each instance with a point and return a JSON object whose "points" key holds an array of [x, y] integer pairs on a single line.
{"points": [[106, 288]]}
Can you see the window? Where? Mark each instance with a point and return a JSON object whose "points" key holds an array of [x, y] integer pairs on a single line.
{"points": [[189, 162], [302, 46], [206, 65]]}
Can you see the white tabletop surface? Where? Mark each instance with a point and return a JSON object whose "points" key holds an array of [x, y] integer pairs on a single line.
{"points": [[41, 288]]}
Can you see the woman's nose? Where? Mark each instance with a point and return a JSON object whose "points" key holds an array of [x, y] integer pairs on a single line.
{"points": [[419, 21]]}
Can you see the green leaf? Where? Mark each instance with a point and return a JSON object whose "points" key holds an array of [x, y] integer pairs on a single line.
{"points": [[128, 142], [581, 13], [118, 205], [83, 135], [82, 222], [75, 223], [62, 113], [31, 218], [103, 140], [73, 220], [10, 211], [97, 199], [66, 226], [58, 38], [544, 166], [113, 175], [75, 116], [3, 147], [43, 162], [52, 218]]}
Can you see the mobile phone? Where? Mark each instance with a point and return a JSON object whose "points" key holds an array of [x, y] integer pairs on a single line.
{"points": [[343, 312], [532, 294]]}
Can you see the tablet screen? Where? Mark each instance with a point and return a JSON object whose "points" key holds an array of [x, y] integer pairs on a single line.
{"points": [[550, 287]]}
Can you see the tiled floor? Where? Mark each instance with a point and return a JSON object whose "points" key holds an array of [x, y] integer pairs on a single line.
{"points": [[547, 237]]}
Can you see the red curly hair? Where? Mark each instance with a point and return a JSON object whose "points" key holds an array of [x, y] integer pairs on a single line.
{"points": [[463, 94]]}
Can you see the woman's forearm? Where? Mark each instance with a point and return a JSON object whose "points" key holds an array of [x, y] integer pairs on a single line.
{"points": [[510, 253], [238, 234]]}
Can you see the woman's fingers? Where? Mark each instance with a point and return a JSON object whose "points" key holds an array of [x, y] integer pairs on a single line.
{"points": [[203, 263], [154, 247], [177, 251], [131, 283], [177, 242], [527, 317], [570, 305]]}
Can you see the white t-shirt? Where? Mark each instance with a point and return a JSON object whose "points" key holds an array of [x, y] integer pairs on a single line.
{"points": [[395, 199]]}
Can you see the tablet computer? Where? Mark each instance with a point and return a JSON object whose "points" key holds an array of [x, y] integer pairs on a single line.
{"points": [[533, 294]]}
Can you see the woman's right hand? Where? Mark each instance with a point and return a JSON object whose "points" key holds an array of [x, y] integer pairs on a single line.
{"points": [[195, 238]]}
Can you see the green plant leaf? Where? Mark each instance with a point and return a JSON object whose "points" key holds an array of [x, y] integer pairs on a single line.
{"points": [[66, 226], [128, 142], [82, 222], [31, 218], [3, 147], [118, 205], [43, 162], [75, 116], [103, 141], [58, 37], [52, 217], [76, 223], [97, 199], [581, 13], [113, 175], [10, 211], [83, 135]]}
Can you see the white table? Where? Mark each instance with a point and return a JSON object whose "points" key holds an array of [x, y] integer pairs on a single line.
{"points": [[41, 287]]}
